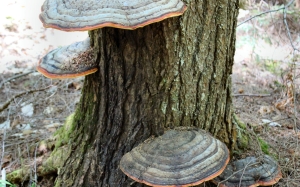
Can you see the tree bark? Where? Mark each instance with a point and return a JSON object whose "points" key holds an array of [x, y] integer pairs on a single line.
{"points": [[168, 74]]}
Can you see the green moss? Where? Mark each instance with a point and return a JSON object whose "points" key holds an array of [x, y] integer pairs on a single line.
{"points": [[63, 134], [264, 146], [18, 176], [13, 174], [54, 162], [239, 122], [242, 136], [243, 141]]}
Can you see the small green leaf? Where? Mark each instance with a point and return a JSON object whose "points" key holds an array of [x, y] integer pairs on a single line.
{"points": [[3, 183]]}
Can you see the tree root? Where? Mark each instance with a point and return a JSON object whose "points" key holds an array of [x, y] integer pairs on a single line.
{"points": [[49, 163], [43, 166], [7, 103]]}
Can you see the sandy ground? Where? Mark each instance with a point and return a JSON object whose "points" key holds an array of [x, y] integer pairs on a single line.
{"points": [[24, 35]]}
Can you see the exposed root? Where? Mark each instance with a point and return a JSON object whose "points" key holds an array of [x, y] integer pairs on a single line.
{"points": [[50, 162], [45, 165]]}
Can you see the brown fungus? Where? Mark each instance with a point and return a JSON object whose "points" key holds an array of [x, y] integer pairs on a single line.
{"points": [[70, 61], [84, 15], [250, 172], [177, 158]]}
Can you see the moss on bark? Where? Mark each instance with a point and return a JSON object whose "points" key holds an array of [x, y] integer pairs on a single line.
{"points": [[62, 135], [242, 136], [52, 163]]}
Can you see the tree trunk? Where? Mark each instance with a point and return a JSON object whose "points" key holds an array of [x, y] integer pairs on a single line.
{"points": [[168, 74]]}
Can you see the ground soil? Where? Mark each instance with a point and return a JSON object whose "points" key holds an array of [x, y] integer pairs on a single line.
{"points": [[265, 91]]}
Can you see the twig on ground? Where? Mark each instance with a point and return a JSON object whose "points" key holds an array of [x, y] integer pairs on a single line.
{"points": [[6, 104], [248, 165], [252, 95], [266, 12], [15, 77], [287, 26], [240, 182], [35, 166]]}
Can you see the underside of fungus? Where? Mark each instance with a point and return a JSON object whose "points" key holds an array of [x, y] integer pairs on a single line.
{"points": [[75, 60], [83, 15], [177, 158], [250, 172]]}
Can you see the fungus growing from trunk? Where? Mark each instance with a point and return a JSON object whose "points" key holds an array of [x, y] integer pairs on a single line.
{"points": [[250, 172], [177, 158], [84, 15], [75, 60]]}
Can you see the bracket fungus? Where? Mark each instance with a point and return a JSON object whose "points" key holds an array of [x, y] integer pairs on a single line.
{"points": [[177, 158], [71, 61], [250, 172], [84, 15]]}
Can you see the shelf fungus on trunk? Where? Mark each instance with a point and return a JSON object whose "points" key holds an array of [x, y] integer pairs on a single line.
{"points": [[75, 60], [250, 172], [83, 15], [177, 158]]}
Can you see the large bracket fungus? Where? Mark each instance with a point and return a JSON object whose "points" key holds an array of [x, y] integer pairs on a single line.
{"points": [[84, 15], [75, 60], [177, 158], [250, 172]]}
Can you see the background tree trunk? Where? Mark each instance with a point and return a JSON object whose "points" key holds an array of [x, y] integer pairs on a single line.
{"points": [[172, 73]]}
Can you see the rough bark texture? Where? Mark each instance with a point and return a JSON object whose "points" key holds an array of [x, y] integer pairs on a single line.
{"points": [[168, 74]]}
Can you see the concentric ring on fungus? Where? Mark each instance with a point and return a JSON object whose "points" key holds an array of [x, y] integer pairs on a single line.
{"points": [[84, 15], [177, 158], [250, 172], [71, 61]]}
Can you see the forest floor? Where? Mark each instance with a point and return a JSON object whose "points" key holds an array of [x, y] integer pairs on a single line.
{"points": [[265, 87]]}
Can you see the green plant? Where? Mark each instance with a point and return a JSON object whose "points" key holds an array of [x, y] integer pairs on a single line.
{"points": [[33, 184], [3, 183], [264, 146]]}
